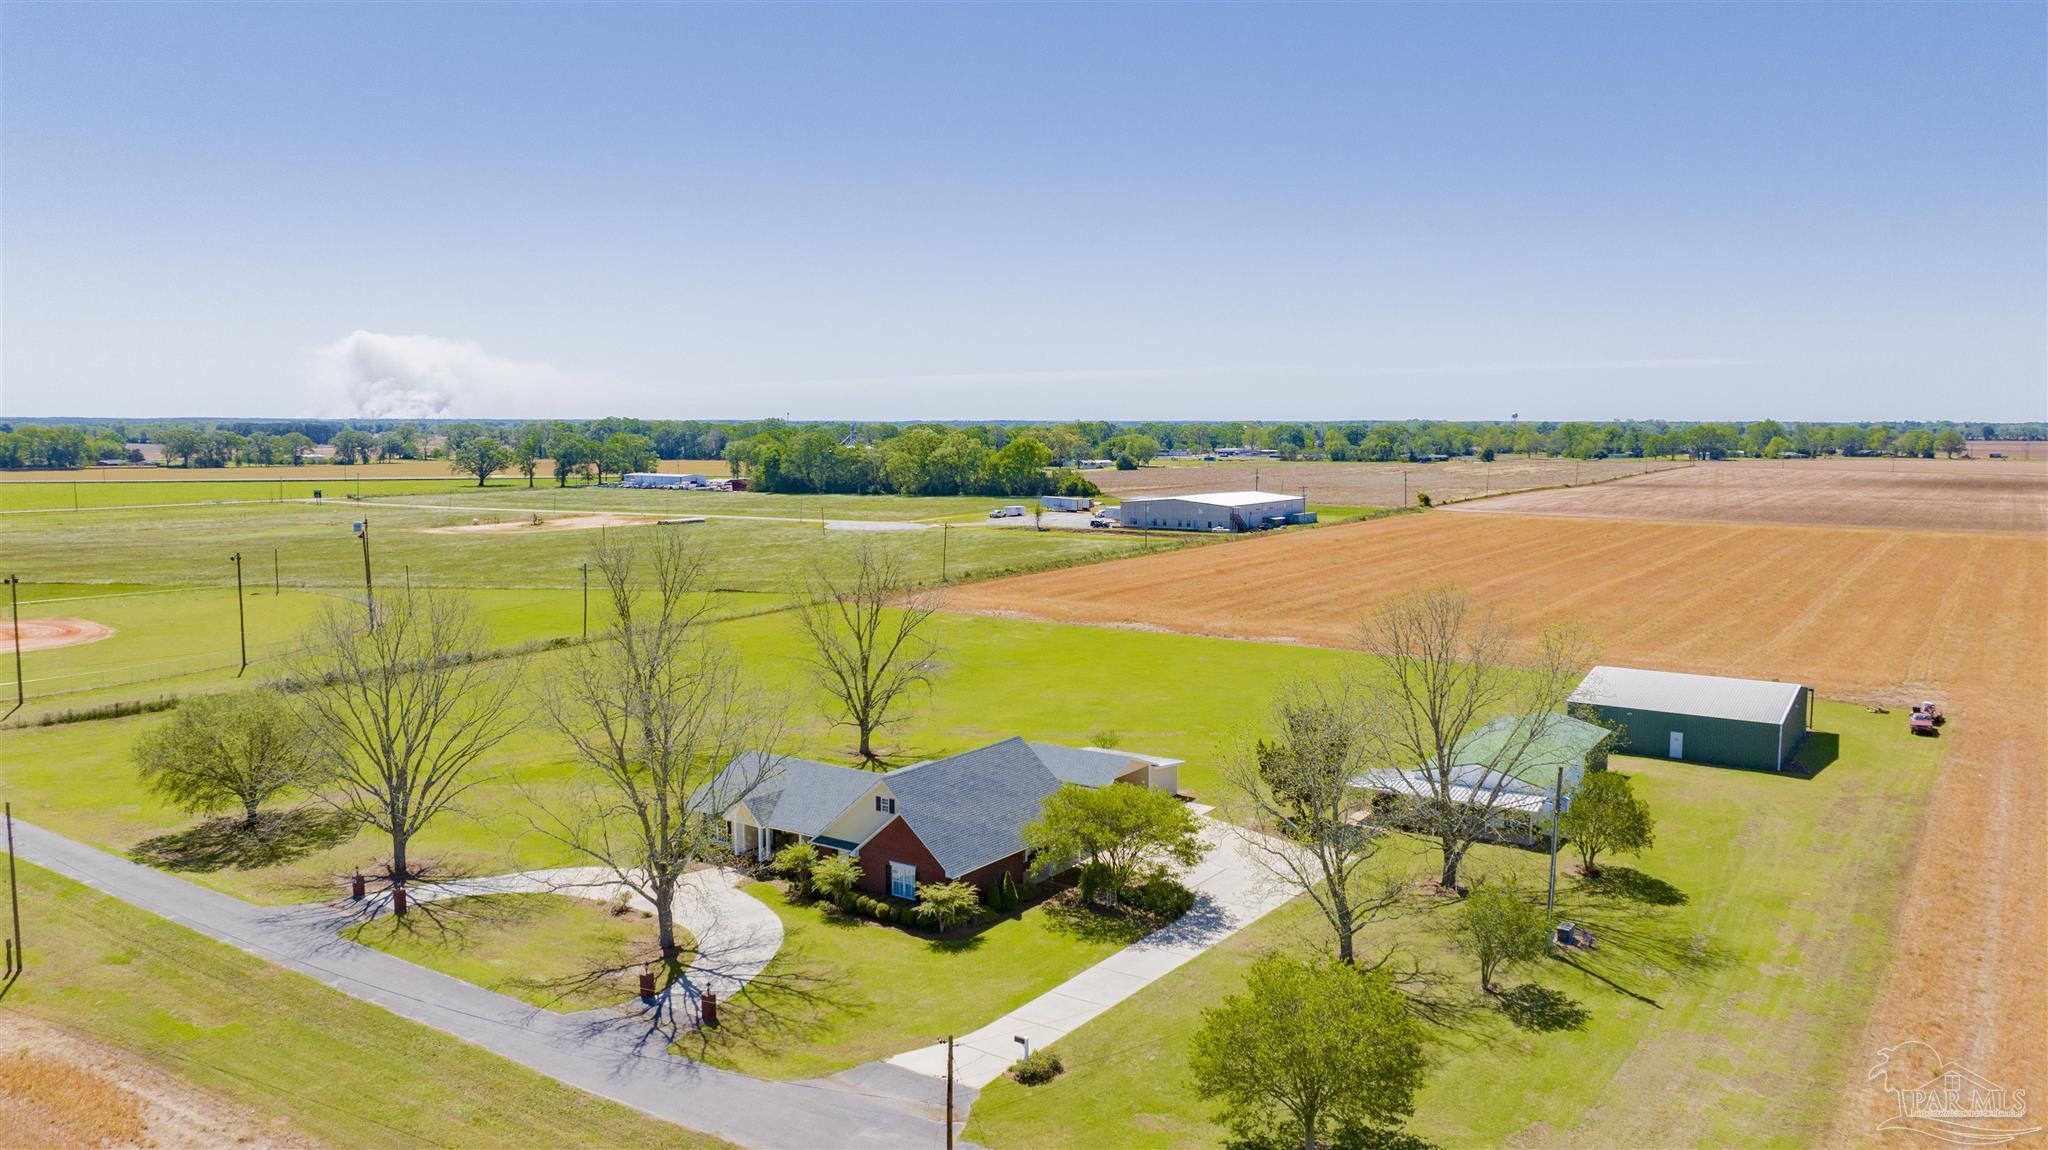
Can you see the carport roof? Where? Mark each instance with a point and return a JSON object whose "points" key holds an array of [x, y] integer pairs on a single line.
{"points": [[1220, 498], [1708, 696], [1092, 766]]}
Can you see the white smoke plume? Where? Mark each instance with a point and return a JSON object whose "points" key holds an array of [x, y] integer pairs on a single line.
{"points": [[373, 375]]}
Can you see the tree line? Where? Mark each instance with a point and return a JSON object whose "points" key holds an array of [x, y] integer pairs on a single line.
{"points": [[942, 458]]}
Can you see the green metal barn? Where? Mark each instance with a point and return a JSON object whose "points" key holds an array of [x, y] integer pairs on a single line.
{"points": [[1699, 718]]}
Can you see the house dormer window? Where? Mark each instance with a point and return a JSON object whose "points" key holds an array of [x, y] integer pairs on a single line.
{"points": [[885, 804]]}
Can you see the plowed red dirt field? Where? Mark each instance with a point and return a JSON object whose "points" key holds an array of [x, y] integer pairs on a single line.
{"points": [[1887, 616], [1370, 484], [1951, 497]]}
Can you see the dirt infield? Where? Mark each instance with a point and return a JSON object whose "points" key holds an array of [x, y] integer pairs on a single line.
{"points": [[1860, 614], [1369, 484], [558, 523], [42, 634], [1950, 497]]}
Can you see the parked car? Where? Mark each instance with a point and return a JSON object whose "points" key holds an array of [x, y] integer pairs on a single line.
{"points": [[1099, 521], [1921, 723]]}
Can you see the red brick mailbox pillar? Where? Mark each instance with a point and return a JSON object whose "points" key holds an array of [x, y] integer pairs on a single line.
{"points": [[398, 900], [707, 1013], [647, 986], [355, 887]]}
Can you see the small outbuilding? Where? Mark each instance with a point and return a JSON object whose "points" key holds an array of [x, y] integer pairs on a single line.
{"points": [[1229, 510], [1752, 723]]}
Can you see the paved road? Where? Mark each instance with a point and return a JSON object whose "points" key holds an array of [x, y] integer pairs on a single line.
{"points": [[617, 1056], [1232, 891]]}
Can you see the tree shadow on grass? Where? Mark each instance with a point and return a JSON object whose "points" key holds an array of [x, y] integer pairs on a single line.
{"points": [[1635, 886], [1069, 917], [276, 837], [1541, 1009]]}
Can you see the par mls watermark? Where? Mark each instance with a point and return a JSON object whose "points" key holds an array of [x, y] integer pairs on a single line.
{"points": [[1948, 1101]]}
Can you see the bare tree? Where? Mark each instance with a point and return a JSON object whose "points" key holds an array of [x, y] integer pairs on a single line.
{"points": [[868, 643], [667, 731], [1300, 811], [1444, 669], [403, 710]]}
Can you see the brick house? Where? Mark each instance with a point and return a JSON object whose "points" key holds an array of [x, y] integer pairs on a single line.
{"points": [[954, 819]]}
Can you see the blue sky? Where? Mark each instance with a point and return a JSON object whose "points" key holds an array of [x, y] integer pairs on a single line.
{"points": [[907, 211]]}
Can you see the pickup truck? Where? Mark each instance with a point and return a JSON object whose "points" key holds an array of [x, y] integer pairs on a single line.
{"points": [[1011, 512], [1920, 722]]}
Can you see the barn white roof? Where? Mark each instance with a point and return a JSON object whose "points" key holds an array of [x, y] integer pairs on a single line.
{"points": [[1220, 498], [1711, 696]]}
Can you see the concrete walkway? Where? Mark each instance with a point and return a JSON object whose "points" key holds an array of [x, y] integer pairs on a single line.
{"points": [[620, 1056], [736, 934], [1232, 891]]}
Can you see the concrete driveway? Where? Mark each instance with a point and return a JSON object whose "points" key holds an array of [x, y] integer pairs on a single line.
{"points": [[1231, 892]]}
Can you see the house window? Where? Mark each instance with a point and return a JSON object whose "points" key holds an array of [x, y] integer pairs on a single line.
{"points": [[902, 880], [885, 805]]}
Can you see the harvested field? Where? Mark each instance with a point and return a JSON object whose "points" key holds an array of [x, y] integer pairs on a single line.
{"points": [[2010, 448], [557, 523], [1371, 484], [43, 634], [1885, 616], [1952, 497]]}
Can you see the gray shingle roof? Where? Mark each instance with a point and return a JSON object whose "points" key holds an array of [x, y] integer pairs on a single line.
{"points": [[969, 810], [1090, 768], [797, 795], [1745, 700]]}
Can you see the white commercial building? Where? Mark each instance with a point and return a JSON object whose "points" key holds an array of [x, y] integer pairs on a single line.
{"points": [[1230, 510]]}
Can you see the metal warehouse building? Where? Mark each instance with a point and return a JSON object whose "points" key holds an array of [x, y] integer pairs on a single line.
{"points": [[1703, 718], [1230, 510]]}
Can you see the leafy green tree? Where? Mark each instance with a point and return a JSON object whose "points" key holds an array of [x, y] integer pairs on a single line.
{"points": [[1309, 1050], [220, 752], [1501, 928], [572, 454], [1777, 448], [1606, 815], [835, 875], [797, 862], [352, 446], [1949, 441], [945, 905], [1117, 830], [481, 457], [527, 455], [625, 451]]}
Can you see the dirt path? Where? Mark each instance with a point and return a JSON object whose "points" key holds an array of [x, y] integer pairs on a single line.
{"points": [[542, 523]]}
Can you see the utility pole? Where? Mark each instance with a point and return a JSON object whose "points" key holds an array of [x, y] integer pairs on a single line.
{"points": [[945, 533], [276, 584], [14, 608], [949, 1063], [586, 600], [241, 613], [1404, 489], [17, 953], [369, 590], [1556, 815]]}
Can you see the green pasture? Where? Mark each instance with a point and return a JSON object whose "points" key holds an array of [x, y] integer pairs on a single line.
{"points": [[903, 508], [1737, 961], [45, 495], [314, 545], [326, 1067]]}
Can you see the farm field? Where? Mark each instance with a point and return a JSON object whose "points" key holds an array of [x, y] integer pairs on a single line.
{"points": [[1962, 496], [162, 579], [24, 499], [1865, 615], [2010, 448], [1369, 484]]}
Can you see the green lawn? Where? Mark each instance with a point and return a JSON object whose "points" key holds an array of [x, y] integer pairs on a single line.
{"points": [[340, 1070], [903, 508], [1737, 962], [843, 991], [539, 948], [1156, 693], [90, 493]]}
